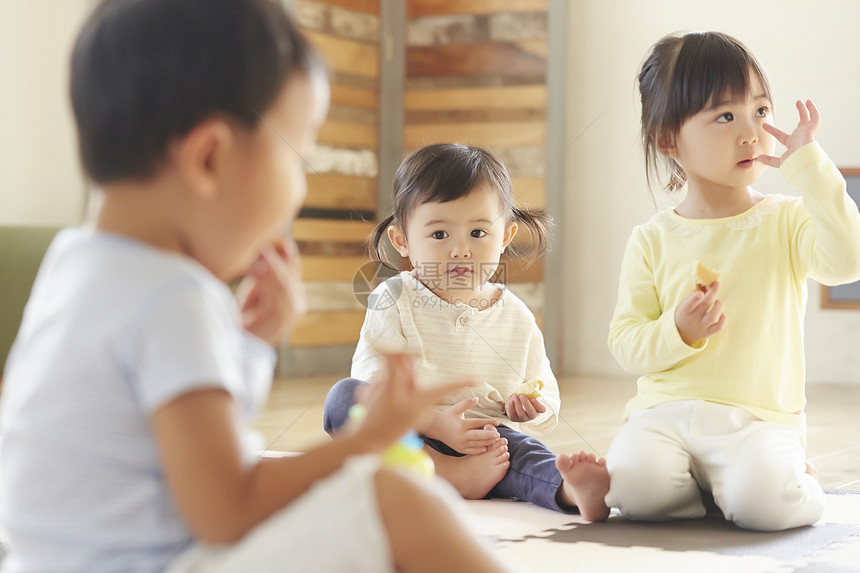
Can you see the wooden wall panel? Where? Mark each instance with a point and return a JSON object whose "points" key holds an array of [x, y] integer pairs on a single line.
{"points": [[331, 230], [347, 56], [344, 94], [502, 59], [342, 183], [348, 134], [335, 191], [487, 134], [331, 268], [419, 8], [477, 98]]}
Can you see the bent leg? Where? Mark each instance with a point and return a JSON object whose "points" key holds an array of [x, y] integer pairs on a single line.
{"points": [[650, 469], [362, 519], [339, 400], [532, 475], [766, 486]]}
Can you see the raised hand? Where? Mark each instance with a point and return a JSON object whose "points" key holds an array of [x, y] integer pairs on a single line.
{"points": [[522, 409], [810, 121], [700, 316], [272, 296], [467, 436]]}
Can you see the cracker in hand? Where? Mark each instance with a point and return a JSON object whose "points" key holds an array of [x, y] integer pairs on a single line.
{"points": [[530, 388], [703, 277]]}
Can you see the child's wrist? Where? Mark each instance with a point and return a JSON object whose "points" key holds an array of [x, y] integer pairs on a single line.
{"points": [[363, 441]]}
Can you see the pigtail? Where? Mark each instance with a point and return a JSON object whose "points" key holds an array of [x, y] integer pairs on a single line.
{"points": [[539, 226], [377, 241]]}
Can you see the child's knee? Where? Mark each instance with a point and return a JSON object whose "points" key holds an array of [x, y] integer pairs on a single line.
{"points": [[773, 505], [338, 402]]}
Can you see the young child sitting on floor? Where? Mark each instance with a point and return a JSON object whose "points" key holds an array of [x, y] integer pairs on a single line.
{"points": [[454, 216]]}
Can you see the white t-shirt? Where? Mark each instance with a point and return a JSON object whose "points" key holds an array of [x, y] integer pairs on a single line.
{"points": [[500, 347], [113, 330]]}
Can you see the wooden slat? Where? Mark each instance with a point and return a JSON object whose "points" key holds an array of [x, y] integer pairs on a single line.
{"points": [[489, 134], [325, 328], [477, 80], [326, 249], [333, 191], [475, 115], [345, 78], [349, 134], [353, 114], [530, 191], [329, 230], [502, 58], [517, 271], [358, 97], [500, 97], [348, 56], [331, 268], [419, 8], [369, 6]]}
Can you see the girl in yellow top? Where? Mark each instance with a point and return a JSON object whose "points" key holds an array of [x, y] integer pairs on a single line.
{"points": [[720, 401]]}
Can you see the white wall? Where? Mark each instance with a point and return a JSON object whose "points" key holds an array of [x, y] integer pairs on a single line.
{"points": [[808, 51], [40, 181]]}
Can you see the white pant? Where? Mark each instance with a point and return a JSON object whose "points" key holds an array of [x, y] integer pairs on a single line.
{"points": [[334, 527], [755, 469]]}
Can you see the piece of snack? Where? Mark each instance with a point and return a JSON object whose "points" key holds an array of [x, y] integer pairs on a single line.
{"points": [[703, 277], [530, 388]]}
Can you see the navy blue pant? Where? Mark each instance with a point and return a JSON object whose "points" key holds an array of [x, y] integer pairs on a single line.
{"points": [[532, 475]]}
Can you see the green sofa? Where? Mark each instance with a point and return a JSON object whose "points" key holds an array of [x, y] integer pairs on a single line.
{"points": [[21, 252]]}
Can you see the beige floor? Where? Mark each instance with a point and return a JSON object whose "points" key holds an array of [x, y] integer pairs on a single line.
{"points": [[590, 416]]}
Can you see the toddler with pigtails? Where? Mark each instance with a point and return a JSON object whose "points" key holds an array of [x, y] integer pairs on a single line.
{"points": [[454, 216]]}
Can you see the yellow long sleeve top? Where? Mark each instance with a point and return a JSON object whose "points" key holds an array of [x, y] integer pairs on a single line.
{"points": [[765, 255]]}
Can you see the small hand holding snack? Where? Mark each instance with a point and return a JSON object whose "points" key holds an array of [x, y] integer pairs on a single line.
{"points": [[524, 405], [700, 314], [272, 295]]}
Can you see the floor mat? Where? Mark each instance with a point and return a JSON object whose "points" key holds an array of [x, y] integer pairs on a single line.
{"points": [[546, 541]]}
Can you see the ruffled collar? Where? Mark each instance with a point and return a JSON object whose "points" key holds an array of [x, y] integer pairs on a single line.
{"points": [[749, 219]]}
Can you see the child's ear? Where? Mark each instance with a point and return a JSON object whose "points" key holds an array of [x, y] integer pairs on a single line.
{"points": [[510, 233], [398, 239], [665, 144], [201, 156]]}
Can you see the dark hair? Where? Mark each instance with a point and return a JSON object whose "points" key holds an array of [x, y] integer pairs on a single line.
{"points": [[146, 71], [681, 76], [446, 172]]}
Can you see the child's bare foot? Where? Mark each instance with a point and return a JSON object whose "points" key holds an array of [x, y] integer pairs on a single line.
{"points": [[473, 476], [586, 483]]}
